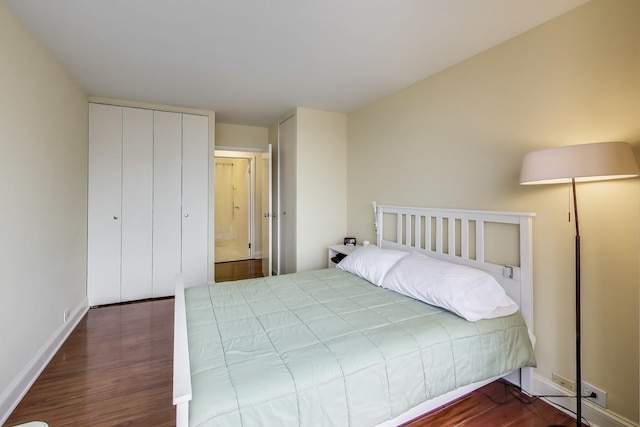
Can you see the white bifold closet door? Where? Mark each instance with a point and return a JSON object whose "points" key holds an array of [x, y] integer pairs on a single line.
{"points": [[167, 199], [137, 203], [287, 218], [104, 204], [180, 200], [148, 202], [195, 191], [119, 256]]}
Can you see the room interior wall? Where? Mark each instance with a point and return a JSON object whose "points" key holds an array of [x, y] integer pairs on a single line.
{"points": [[321, 191], [43, 197], [240, 136], [457, 139]]}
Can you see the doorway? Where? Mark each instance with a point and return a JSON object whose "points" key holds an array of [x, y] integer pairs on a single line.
{"points": [[252, 236], [233, 209]]}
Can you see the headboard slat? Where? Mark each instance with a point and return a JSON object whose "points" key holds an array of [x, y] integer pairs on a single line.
{"points": [[428, 235], [407, 234], [464, 239], [439, 234], [480, 241], [451, 233]]}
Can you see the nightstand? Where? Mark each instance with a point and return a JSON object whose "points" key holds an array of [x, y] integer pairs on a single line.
{"points": [[339, 249]]}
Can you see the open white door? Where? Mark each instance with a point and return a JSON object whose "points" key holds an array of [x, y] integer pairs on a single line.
{"points": [[267, 213]]}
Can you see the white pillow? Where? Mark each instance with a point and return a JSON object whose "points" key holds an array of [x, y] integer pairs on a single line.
{"points": [[371, 262], [468, 292]]}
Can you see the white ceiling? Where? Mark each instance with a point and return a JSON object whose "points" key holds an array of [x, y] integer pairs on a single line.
{"points": [[251, 61]]}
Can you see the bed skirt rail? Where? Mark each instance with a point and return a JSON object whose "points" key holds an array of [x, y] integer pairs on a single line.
{"points": [[181, 366]]}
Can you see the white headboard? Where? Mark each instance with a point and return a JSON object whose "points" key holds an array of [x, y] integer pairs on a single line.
{"points": [[460, 236]]}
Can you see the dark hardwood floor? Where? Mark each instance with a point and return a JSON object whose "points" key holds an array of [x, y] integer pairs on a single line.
{"points": [[238, 270], [116, 369], [495, 405]]}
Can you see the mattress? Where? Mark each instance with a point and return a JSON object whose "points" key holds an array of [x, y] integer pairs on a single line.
{"points": [[326, 347]]}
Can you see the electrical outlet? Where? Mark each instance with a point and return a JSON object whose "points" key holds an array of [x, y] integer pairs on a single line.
{"points": [[563, 382], [601, 395], [66, 315]]}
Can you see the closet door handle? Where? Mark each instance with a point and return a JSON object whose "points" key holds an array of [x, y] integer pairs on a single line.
{"points": [[186, 215], [115, 217]]}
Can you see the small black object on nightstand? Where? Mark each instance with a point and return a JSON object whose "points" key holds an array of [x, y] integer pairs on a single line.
{"points": [[339, 257]]}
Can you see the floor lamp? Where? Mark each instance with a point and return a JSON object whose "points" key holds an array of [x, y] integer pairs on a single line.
{"points": [[579, 163]]}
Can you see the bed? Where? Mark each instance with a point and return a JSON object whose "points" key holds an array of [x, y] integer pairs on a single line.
{"points": [[329, 347]]}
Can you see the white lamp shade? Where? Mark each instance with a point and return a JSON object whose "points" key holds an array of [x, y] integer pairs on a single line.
{"points": [[584, 162]]}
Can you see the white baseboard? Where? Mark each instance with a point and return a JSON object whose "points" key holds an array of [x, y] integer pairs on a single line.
{"points": [[595, 414], [25, 379]]}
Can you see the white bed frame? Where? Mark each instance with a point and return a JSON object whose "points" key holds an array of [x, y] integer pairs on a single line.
{"points": [[449, 235], [181, 365]]}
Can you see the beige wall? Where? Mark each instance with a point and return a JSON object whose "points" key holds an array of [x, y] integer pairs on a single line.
{"points": [[238, 136], [321, 190], [43, 198], [457, 139]]}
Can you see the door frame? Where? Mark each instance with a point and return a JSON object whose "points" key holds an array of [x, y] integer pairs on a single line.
{"points": [[252, 192], [266, 194]]}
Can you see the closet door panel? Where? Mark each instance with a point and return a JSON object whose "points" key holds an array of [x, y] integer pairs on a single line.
{"points": [[287, 152], [195, 189], [167, 155], [104, 204], [137, 203]]}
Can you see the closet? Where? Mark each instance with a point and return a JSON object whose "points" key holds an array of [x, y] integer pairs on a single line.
{"points": [[148, 208]]}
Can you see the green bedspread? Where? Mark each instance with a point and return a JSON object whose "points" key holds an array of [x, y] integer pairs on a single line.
{"points": [[326, 347]]}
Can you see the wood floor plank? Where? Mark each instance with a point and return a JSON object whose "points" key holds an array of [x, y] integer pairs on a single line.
{"points": [[238, 270], [465, 409], [116, 369], [495, 405]]}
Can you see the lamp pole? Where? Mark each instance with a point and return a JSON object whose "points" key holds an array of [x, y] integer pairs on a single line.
{"points": [[578, 321]]}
